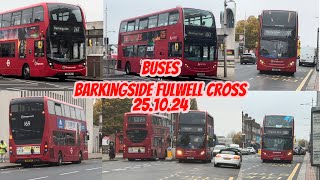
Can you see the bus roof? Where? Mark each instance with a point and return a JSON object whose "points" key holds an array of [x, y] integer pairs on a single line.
{"points": [[146, 114], [35, 5], [151, 14], [279, 10], [44, 97]]}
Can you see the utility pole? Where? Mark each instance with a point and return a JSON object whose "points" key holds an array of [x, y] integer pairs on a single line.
{"points": [[244, 33], [225, 38]]}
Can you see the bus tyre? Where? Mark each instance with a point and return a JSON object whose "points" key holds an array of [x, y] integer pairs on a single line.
{"points": [[27, 165], [131, 159], [62, 78], [60, 160], [128, 68], [26, 72], [80, 159], [180, 160]]}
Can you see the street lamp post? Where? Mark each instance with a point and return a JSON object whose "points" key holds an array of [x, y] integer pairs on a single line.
{"points": [[224, 38]]}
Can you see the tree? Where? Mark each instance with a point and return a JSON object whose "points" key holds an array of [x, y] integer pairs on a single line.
{"points": [[302, 142], [251, 25], [193, 104], [115, 109], [237, 138]]}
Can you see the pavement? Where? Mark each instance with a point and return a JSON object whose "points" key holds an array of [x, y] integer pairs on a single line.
{"points": [[305, 79], [307, 172], [8, 165], [160, 170]]}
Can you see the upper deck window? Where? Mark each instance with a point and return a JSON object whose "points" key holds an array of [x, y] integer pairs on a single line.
{"points": [[130, 26], [173, 18], [16, 18], [143, 24], [195, 17], [153, 21], [6, 19], [26, 16], [279, 18], [65, 13], [163, 19], [123, 27]]}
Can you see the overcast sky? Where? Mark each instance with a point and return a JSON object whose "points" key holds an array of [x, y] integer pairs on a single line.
{"points": [[260, 103], [308, 11], [226, 113], [93, 8]]}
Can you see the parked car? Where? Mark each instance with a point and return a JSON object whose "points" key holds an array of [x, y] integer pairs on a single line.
{"points": [[248, 58], [228, 157], [245, 151], [217, 149], [251, 150]]}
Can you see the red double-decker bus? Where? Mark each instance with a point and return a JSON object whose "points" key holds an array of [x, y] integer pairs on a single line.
{"points": [[145, 136], [179, 33], [44, 130], [43, 40], [195, 136], [278, 41], [277, 138]]}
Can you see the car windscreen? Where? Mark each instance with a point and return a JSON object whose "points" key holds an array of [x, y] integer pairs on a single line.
{"points": [[228, 152]]}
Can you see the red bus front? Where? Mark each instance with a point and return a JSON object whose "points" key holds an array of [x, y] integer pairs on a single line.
{"points": [[180, 33], [195, 137], [52, 44], [277, 47], [145, 136], [277, 138], [39, 133]]}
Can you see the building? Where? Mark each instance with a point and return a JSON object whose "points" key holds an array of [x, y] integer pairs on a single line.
{"points": [[251, 131], [94, 35], [66, 96]]}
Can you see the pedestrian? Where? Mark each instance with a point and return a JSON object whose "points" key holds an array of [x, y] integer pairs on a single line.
{"points": [[3, 151]]}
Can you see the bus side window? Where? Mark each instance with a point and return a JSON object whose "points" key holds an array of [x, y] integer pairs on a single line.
{"points": [[38, 49]]}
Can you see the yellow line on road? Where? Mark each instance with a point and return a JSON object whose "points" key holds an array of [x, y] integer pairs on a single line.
{"points": [[294, 172], [231, 178], [304, 80]]}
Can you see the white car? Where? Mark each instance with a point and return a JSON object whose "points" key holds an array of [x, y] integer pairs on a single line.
{"points": [[217, 149], [251, 150], [228, 157]]}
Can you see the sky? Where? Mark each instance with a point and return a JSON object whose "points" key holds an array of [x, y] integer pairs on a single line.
{"points": [[89, 6], [260, 103], [226, 112], [308, 11]]}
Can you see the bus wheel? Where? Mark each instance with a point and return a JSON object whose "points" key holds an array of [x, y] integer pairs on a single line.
{"points": [[128, 68], [60, 160], [80, 159], [27, 165], [26, 72], [62, 78], [180, 161], [131, 159]]}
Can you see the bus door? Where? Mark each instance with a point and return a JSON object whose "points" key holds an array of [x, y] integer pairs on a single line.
{"points": [[37, 56], [175, 50]]}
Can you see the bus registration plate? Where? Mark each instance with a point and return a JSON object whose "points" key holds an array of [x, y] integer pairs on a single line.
{"points": [[69, 74], [136, 150], [276, 69], [201, 74], [28, 160], [190, 157], [277, 159]]}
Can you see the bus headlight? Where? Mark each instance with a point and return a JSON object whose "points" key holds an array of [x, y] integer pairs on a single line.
{"points": [[289, 153], [84, 64], [51, 65], [291, 64], [187, 65], [202, 153], [179, 152], [261, 62]]}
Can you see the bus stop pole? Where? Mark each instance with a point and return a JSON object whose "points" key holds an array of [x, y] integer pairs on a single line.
{"points": [[225, 38]]}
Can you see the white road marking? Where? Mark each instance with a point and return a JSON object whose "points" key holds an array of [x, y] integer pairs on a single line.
{"points": [[39, 178], [93, 168], [73, 172], [105, 171]]}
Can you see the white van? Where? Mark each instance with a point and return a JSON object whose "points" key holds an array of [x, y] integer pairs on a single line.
{"points": [[307, 56]]}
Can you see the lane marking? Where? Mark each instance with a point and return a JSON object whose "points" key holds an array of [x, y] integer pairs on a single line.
{"points": [[304, 80], [93, 168], [105, 171], [73, 172], [230, 178], [294, 172], [39, 178]]}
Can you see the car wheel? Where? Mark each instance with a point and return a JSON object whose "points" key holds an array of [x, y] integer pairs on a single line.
{"points": [[238, 166], [216, 165]]}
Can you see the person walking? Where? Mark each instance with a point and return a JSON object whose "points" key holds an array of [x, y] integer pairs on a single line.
{"points": [[3, 151]]}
